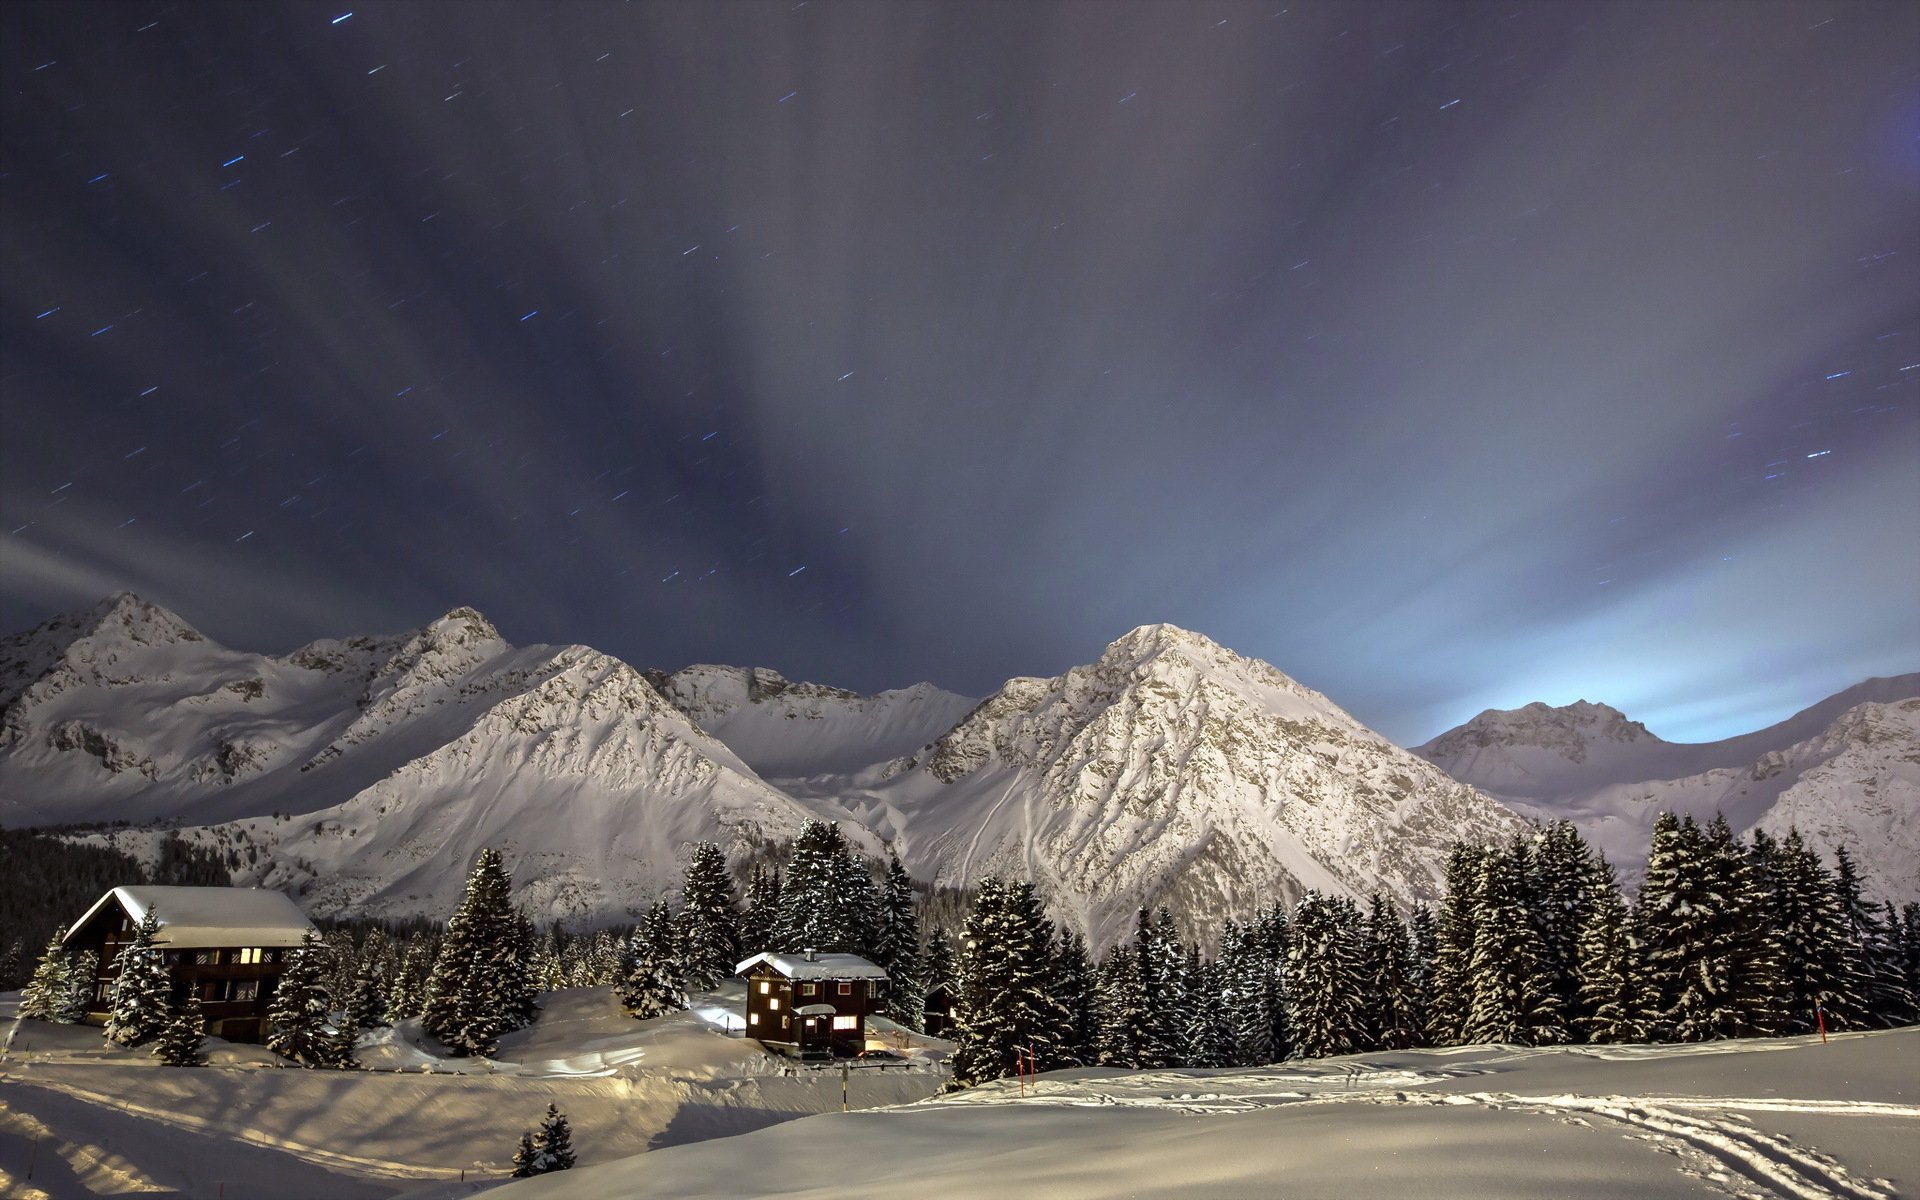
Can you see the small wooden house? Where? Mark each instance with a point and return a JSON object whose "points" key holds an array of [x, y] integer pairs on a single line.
{"points": [[811, 1004], [228, 944], [943, 998]]}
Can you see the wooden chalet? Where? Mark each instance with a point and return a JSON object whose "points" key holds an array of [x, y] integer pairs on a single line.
{"points": [[228, 944], [938, 1017], [812, 1005]]}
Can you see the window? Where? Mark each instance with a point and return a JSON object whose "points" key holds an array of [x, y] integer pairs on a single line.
{"points": [[773, 1002], [873, 988], [786, 1022], [204, 957], [765, 987], [250, 954], [246, 989], [846, 989], [753, 1018], [809, 989], [846, 1022]]}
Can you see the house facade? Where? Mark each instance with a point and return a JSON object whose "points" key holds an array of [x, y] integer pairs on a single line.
{"points": [[811, 1004], [229, 945]]}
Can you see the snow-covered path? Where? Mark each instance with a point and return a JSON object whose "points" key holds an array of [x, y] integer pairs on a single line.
{"points": [[1724, 1119]]}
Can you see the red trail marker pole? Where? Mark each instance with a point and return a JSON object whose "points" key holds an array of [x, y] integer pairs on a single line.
{"points": [[1820, 1019]]}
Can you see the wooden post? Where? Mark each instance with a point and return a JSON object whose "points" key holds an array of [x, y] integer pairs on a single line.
{"points": [[844, 1070], [1820, 1018]]}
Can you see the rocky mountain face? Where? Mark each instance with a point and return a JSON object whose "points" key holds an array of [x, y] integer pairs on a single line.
{"points": [[363, 774], [1170, 771], [1845, 770], [787, 730]]}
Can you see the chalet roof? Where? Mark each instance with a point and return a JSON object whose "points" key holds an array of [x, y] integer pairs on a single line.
{"points": [[820, 966], [209, 916]]}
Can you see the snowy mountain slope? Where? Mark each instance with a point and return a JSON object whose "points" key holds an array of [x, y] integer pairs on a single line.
{"points": [[365, 774], [788, 730], [1847, 770], [1171, 770]]}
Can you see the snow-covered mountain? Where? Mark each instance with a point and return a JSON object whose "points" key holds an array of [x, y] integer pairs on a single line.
{"points": [[363, 774], [787, 730], [1170, 770], [1845, 770], [366, 773]]}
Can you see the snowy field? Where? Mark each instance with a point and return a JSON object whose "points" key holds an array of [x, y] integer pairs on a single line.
{"points": [[89, 1120], [1786, 1118], [655, 1107]]}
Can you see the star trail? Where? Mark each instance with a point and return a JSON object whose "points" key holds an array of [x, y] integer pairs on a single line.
{"points": [[1444, 355]]}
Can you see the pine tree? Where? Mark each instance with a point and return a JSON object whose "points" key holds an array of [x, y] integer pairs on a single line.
{"points": [[708, 926], [367, 1002], [1126, 1027], [406, 995], [1819, 968], [1748, 942], [12, 963], [553, 1145], [298, 1018], [761, 913], [1876, 963], [1209, 1035], [1392, 1020], [1249, 985], [1561, 871], [896, 947], [46, 993], [939, 970], [479, 986], [1161, 969], [1005, 1008], [138, 1006], [343, 1048], [179, 1043], [1325, 990], [653, 985], [1073, 990], [827, 900], [526, 1157], [1514, 999], [82, 971], [1456, 928], [1910, 947], [1422, 941], [1615, 1000]]}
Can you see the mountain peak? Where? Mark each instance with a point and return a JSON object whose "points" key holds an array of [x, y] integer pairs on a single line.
{"points": [[1569, 730], [461, 626], [139, 620]]}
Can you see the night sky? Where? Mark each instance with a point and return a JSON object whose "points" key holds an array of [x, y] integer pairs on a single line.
{"points": [[1444, 355]]}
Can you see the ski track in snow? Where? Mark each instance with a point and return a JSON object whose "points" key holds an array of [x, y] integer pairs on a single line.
{"points": [[1724, 1151]]}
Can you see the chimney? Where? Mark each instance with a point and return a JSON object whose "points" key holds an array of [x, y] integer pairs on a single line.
{"points": [[811, 955]]}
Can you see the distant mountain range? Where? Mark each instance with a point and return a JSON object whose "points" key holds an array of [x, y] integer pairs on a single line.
{"points": [[363, 774], [1845, 770]]}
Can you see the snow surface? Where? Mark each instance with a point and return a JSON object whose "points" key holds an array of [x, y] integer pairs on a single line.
{"points": [[1791, 1118], [210, 916], [1845, 771], [97, 1119]]}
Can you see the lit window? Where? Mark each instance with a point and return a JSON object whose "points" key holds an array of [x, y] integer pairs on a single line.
{"points": [[774, 1003], [765, 987], [846, 1022], [873, 987], [249, 955], [786, 1022], [846, 989], [808, 989], [753, 1018]]}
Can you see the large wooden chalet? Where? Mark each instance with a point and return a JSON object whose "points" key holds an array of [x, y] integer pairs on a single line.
{"points": [[812, 1005], [228, 944]]}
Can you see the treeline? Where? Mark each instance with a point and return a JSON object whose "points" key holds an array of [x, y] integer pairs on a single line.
{"points": [[48, 881], [1534, 943]]}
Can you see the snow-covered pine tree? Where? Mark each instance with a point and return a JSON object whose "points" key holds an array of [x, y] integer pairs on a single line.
{"points": [[1393, 1022], [406, 995], [1247, 979], [1209, 1035], [1325, 991], [938, 969], [82, 971], [12, 964], [1749, 942], [138, 1004], [46, 993], [1615, 1000], [186, 1030], [761, 912], [1512, 985], [526, 1157], [708, 925], [520, 990], [1162, 979], [1073, 990], [1005, 974], [298, 1019], [1456, 928], [1421, 940], [1879, 970], [653, 987], [896, 947], [1560, 874], [367, 1003], [344, 1045], [478, 988], [1910, 947], [1819, 968], [1126, 1027], [814, 914], [553, 1145]]}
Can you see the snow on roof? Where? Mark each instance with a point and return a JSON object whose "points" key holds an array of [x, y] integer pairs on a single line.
{"points": [[210, 916], [820, 966]]}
